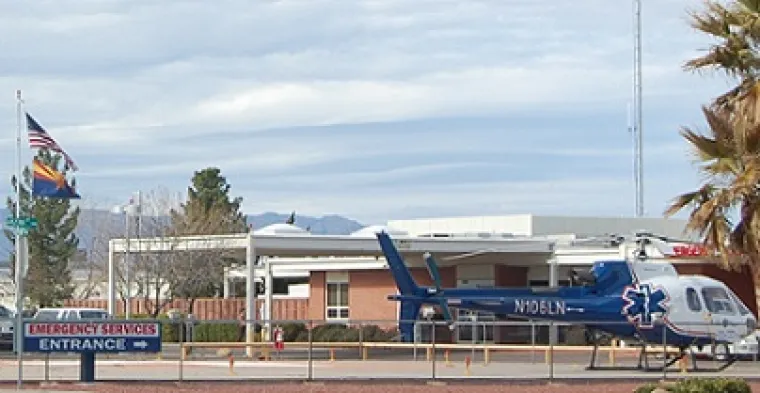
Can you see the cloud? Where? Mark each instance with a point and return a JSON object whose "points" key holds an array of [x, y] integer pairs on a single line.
{"points": [[453, 199], [373, 108]]}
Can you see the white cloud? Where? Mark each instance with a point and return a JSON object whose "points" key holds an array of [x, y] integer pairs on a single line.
{"points": [[379, 205], [142, 93]]}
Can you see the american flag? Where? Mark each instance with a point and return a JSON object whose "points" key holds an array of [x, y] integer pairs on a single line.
{"points": [[39, 138]]}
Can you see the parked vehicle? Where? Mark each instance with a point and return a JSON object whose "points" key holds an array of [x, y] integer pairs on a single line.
{"points": [[746, 348], [7, 322], [70, 314]]}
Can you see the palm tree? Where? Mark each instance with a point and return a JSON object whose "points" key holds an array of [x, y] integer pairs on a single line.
{"points": [[736, 28], [732, 173], [728, 155]]}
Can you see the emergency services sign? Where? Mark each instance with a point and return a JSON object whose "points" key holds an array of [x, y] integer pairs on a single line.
{"points": [[92, 336]]}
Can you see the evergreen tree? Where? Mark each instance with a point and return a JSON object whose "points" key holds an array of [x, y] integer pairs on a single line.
{"points": [[209, 210], [51, 245], [209, 197]]}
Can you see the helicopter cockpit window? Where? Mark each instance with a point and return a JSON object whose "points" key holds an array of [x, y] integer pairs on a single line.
{"points": [[717, 300], [692, 298], [743, 310]]}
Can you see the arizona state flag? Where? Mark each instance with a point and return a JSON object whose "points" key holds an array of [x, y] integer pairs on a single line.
{"points": [[47, 182]]}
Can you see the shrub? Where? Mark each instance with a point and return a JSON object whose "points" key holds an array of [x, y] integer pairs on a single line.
{"points": [[292, 331], [713, 385], [700, 385], [216, 332], [343, 333]]}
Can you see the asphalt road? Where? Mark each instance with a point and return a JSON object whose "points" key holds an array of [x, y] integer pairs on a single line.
{"points": [[207, 364], [526, 356], [163, 370]]}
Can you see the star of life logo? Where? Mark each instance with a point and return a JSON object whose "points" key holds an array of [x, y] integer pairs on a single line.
{"points": [[643, 303]]}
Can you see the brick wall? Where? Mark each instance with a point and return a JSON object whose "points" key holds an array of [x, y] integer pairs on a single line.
{"points": [[317, 300], [511, 276], [209, 309], [369, 290]]}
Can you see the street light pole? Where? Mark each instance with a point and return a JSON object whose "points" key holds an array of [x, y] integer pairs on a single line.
{"points": [[127, 306], [129, 210]]}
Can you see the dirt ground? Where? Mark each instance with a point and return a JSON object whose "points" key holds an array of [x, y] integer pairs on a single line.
{"points": [[369, 387]]}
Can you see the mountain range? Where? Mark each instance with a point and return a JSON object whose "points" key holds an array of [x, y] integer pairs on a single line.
{"points": [[93, 222]]}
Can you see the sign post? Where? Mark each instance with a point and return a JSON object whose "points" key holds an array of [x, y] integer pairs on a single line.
{"points": [[88, 338], [23, 225]]}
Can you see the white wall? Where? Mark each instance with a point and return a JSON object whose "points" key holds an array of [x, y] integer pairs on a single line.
{"points": [[516, 224], [533, 225], [592, 226], [475, 274]]}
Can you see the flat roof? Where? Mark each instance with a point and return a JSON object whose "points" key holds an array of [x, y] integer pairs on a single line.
{"points": [[308, 245]]}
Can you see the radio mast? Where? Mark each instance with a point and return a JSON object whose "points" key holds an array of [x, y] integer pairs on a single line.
{"points": [[638, 166]]}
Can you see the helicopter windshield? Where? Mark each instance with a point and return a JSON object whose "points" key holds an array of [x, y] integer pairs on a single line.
{"points": [[718, 300], [743, 310]]}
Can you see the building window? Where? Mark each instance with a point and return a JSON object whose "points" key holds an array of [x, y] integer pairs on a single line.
{"points": [[337, 295]]}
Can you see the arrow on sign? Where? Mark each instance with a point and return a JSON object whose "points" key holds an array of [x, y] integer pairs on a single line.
{"points": [[140, 344]]}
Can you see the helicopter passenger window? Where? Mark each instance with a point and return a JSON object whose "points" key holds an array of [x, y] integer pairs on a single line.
{"points": [[692, 298], [717, 300]]}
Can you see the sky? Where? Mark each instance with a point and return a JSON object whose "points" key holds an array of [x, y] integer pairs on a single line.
{"points": [[374, 110]]}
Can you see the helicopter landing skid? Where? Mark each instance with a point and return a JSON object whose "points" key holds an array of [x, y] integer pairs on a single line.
{"points": [[668, 360]]}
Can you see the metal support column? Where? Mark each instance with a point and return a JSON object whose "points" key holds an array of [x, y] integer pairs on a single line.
{"points": [[553, 283], [250, 293]]}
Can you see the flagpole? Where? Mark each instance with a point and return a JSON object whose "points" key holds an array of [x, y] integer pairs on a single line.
{"points": [[20, 249]]}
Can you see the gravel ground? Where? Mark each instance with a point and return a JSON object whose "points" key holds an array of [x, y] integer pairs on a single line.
{"points": [[370, 387]]}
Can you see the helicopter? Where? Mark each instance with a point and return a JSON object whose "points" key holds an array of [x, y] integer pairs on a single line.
{"points": [[634, 299]]}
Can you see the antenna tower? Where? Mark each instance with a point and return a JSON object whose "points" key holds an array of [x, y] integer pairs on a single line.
{"points": [[638, 166]]}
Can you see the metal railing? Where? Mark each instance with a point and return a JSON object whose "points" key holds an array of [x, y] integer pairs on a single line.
{"points": [[315, 349]]}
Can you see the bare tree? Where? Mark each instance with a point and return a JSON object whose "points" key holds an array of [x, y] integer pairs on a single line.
{"points": [[153, 268], [200, 273]]}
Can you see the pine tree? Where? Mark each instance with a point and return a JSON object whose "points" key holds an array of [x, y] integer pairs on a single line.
{"points": [[209, 210], [51, 245], [209, 196]]}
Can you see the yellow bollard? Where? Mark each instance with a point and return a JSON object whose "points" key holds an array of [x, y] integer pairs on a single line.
{"points": [[683, 364], [446, 357], [613, 344], [486, 356], [332, 354]]}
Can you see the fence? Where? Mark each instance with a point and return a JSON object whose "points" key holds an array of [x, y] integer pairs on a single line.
{"points": [[204, 309], [312, 350]]}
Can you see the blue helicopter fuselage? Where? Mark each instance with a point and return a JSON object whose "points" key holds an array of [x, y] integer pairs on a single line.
{"points": [[645, 302]]}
